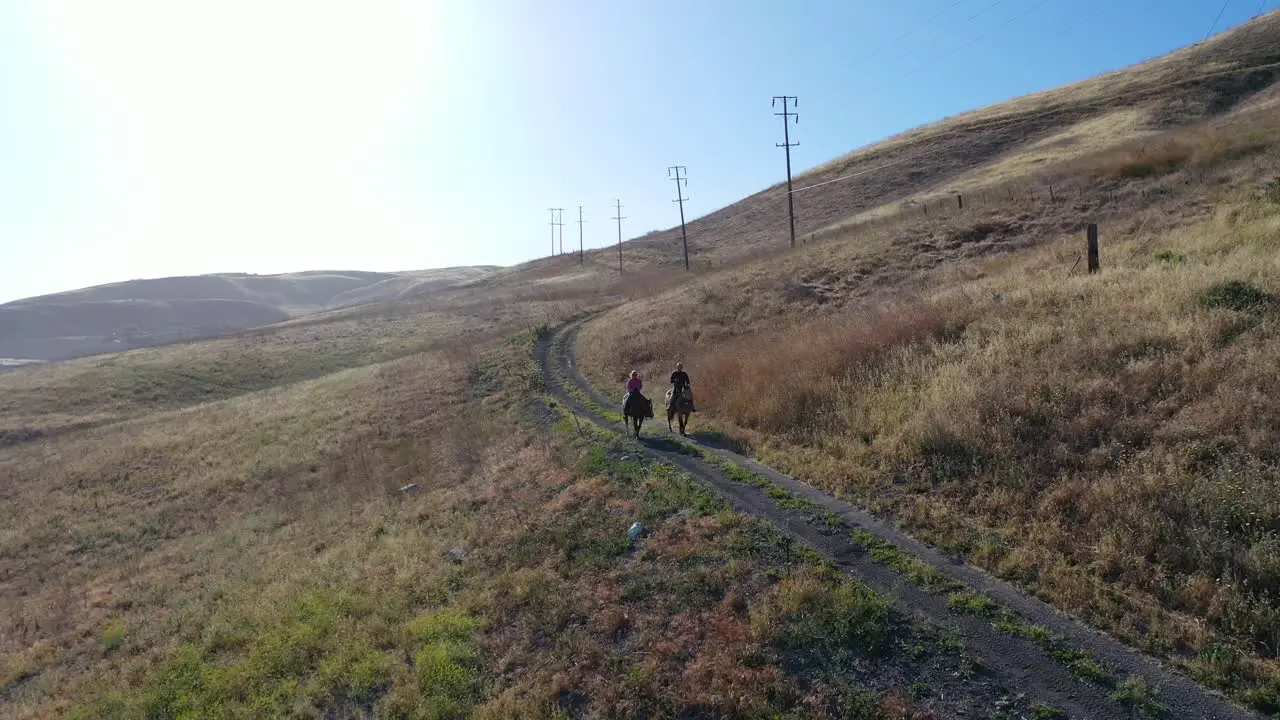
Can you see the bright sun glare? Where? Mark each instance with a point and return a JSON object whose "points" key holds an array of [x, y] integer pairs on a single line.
{"points": [[238, 126]]}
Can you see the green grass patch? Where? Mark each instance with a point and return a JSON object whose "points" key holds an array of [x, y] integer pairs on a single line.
{"points": [[1265, 699], [114, 634], [950, 642], [446, 663], [1083, 666], [670, 490], [310, 656], [1135, 693], [917, 571], [734, 472], [971, 603], [825, 618], [1236, 295], [1041, 711], [1010, 625]]}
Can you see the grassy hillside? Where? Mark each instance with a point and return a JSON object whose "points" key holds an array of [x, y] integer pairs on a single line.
{"points": [[139, 313], [371, 509], [1105, 440], [977, 150], [233, 539]]}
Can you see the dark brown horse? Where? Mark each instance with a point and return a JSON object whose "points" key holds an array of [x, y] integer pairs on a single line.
{"points": [[635, 409], [680, 407]]}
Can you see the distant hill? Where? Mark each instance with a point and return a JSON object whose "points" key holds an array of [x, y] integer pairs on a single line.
{"points": [[138, 313]]}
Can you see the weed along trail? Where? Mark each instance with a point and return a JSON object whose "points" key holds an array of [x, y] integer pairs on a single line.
{"points": [[1020, 643]]}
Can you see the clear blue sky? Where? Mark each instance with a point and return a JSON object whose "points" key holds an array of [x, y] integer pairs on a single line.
{"points": [[143, 139]]}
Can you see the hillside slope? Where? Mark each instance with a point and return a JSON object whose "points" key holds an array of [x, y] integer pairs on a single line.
{"points": [[1106, 440], [138, 313], [1204, 81], [430, 537]]}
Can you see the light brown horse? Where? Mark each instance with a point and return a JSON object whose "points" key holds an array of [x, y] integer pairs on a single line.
{"points": [[680, 407]]}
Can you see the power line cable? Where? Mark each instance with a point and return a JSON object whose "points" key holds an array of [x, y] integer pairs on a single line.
{"points": [[894, 42], [1214, 26], [952, 51]]}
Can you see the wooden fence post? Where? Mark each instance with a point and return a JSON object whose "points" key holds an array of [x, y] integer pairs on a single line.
{"points": [[1051, 197], [959, 201], [1092, 234]]}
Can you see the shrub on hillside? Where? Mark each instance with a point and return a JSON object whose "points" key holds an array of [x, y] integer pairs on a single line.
{"points": [[1271, 191], [1236, 295]]}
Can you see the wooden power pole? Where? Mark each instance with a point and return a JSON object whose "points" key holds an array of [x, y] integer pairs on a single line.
{"points": [[787, 145], [673, 172], [618, 216]]}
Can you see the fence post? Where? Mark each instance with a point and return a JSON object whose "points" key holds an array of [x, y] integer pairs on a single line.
{"points": [[959, 201], [1092, 235], [1051, 197]]}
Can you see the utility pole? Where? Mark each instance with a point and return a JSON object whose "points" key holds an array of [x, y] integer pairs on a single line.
{"points": [[553, 231], [582, 256], [787, 145], [673, 172], [560, 224], [619, 218]]}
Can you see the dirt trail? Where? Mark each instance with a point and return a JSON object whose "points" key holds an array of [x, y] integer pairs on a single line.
{"points": [[1017, 662]]}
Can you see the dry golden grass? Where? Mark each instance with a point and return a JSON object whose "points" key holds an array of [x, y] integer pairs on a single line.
{"points": [[1105, 168], [1107, 440], [126, 542], [1155, 184], [254, 556]]}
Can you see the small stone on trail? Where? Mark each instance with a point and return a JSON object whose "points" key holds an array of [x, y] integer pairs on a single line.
{"points": [[635, 531], [411, 489], [457, 555]]}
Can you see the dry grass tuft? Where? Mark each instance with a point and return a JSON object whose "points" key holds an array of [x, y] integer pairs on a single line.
{"points": [[1195, 148], [790, 381]]}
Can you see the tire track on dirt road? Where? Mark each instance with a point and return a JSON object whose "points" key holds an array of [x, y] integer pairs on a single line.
{"points": [[1016, 660]]}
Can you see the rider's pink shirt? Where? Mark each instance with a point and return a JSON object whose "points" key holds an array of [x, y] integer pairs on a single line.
{"points": [[634, 384]]}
